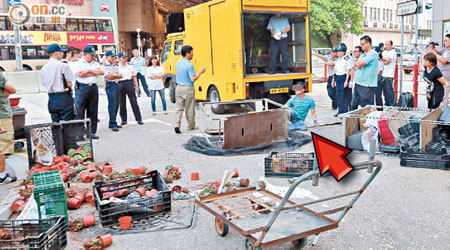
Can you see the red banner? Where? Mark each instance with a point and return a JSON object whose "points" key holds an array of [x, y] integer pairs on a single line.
{"points": [[82, 39]]}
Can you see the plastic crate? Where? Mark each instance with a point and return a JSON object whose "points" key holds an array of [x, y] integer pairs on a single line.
{"points": [[425, 160], [45, 234], [50, 195], [288, 164], [138, 208], [58, 137]]}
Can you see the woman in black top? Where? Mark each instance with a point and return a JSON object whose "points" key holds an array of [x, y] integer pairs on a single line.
{"points": [[433, 76]]}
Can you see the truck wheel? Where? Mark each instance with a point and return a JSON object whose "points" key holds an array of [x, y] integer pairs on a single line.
{"points": [[213, 96], [172, 86], [301, 243]]}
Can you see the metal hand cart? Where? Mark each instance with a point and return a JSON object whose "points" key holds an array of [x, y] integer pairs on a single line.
{"points": [[266, 219]]}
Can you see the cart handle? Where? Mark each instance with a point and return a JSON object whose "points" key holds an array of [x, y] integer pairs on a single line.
{"points": [[356, 166]]}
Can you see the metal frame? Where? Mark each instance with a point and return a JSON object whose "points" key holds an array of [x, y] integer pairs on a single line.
{"points": [[314, 176]]}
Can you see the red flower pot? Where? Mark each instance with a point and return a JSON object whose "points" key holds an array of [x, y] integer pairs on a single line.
{"points": [[67, 158], [64, 177], [106, 239], [45, 169], [151, 193], [85, 177], [74, 203], [195, 176], [107, 169], [57, 159], [91, 167], [125, 222], [136, 171], [90, 196], [107, 195], [79, 197], [141, 190], [159, 207], [89, 220], [18, 204], [92, 175], [121, 192], [236, 172]]}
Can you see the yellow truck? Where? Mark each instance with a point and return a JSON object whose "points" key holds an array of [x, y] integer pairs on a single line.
{"points": [[230, 38]]}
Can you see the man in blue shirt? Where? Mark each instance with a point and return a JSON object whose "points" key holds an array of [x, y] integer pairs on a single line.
{"points": [[279, 27], [185, 92], [299, 106], [138, 63], [366, 75]]}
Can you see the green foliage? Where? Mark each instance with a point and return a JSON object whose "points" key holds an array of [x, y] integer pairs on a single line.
{"points": [[329, 17]]}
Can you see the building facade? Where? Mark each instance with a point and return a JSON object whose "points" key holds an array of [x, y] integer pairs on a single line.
{"points": [[382, 23], [441, 20]]}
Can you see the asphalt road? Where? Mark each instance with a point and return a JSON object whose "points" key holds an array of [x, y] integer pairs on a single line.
{"points": [[404, 208]]}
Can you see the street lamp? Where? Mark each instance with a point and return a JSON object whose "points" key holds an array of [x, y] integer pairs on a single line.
{"points": [[138, 30]]}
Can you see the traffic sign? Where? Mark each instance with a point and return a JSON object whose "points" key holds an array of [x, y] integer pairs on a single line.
{"points": [[406, 8]]}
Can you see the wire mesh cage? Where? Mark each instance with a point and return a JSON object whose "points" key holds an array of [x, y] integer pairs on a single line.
{"points": [[288, 164]]}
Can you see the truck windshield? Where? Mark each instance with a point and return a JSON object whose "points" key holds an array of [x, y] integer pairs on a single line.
{"points": [[258, 39]]}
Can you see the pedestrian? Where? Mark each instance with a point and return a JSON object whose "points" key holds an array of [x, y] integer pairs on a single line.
{"points": [[6, 128], [279, 27], [58, 78], [343, 67], [357, 52], [185, 92], [299, 106], [112, 88], [443, 58], [329, 61], [103, 60], [378, 90], [68, 54], [389, 60], [366, 74], [129, 88], [76, 56], [86, 89], [138, 63], [155, 73], [435, 81]]}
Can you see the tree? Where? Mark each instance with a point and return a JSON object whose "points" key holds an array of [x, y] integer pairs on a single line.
{"points": [[330, 17]]}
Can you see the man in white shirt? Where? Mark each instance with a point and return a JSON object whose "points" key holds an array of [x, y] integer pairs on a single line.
{"points": [[86, 95], [138, 63], [329, 60], [387, 77], [57, 79], [75, 57]]}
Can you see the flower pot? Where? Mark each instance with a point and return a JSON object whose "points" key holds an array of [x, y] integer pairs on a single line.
{"points": [[90, 196], [54, 167], [176, 169], [29, 186], [89, 156], [168, 178], [92, 175], [64, 177], [125, 222], [141, 190], [107, 169], [142, 169], [89, 220], [17, 205], [136, 171], [106, 239], [67, 158], [85, 177], [80, 197], [73, 203], [151, 193], [159, 207], [57, 159], [45, 169], [175, 189], [121, 192], [91, 167], [236, 172], [107, 195], [244, 182], [195, 176]]}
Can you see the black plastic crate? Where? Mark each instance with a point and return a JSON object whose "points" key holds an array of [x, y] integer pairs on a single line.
{"points": [[46, 234], [58, 137], [288, 164], [138, 208], [420, 159]]}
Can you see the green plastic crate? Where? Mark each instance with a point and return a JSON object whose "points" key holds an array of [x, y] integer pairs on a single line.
{"points": [[50, 195]]}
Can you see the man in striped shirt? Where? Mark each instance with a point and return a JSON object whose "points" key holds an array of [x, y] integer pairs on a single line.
{"points": [[299, 106]]}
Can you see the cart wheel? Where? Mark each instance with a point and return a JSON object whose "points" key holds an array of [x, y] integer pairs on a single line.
{"points": [[301, 243], [221, 228], [249, 246]]}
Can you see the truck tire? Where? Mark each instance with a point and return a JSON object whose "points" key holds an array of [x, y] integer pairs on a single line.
{"points": [[214, 96], [172, 87]]}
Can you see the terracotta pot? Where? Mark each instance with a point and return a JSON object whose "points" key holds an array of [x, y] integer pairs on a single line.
{"points": [[54, 167], [66, 169], [125, 222], [77, 152], [175, 189], [176, 169], [107, 169], [106, 239], [236, 172], [64, 177], [90, 196], [91, 167], [85, 177], [67, 158], [29, 186], [121, 192], [159, 207], [141, 190], [73, 203], [136, 171], [89, 156], [244, 182], [80, 197], [89, 220], [142, 169], [92, 175], [107, 195], [195, 176], [18, 204], [57, 159], [45, 169], [151, 193]]}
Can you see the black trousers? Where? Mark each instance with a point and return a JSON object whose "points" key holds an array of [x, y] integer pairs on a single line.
{"points": [[129, 90]]}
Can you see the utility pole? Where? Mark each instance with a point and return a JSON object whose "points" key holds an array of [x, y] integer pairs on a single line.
{"points": [[17, 46]]}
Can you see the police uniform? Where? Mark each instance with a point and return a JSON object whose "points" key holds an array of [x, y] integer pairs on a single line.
{"points": [[128, 89], [343, 95], [54, 76], [113, 88], [86, 94]]}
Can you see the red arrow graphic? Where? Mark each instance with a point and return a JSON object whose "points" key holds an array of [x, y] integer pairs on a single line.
{"points": [[331, 156]]}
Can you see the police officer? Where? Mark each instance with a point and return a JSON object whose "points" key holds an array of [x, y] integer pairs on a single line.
{"points": [[129, 88], [112, 77], [86, 94], [57, 78], [343, 67]]}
